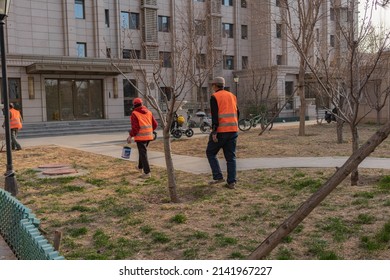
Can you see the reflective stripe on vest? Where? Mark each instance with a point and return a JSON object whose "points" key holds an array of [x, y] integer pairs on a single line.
{"points": [[145, 132], [227, 111], [15, 119]]}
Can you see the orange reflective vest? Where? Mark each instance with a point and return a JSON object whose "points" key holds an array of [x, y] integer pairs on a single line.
{"points": [[145, 132], [227, 111], [15, 121]]}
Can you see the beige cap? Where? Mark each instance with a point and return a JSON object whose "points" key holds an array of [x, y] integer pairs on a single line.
{"points": [[219, 81]]}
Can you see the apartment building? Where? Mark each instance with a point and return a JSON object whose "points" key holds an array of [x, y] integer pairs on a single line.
{"points": [[73, 59]]}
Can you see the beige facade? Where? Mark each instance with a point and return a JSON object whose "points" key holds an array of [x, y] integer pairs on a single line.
{"points": [[66, 59]]}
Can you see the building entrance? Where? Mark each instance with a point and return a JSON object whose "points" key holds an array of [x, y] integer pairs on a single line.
{"points": [[69, 99]]}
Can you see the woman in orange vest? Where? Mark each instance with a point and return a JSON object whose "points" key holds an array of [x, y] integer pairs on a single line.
{"points": [[15, 122], [224, 132], [142, 126]]}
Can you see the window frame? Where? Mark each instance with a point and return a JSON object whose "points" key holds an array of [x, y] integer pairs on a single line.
{"points": [[164, 26], [244, 32], [227, 3], [228, 62], [228, 33], [166, 59], [79, 9], [278, 30], [84, 50]]}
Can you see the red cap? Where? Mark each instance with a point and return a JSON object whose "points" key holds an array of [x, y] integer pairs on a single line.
{"points": [[137, 101]]}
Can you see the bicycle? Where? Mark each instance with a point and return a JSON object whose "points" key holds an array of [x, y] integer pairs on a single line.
{"points": [[253, 121]]}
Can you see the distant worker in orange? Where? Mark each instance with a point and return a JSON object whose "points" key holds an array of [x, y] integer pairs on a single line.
{"points": [[142, 126], [224, 132], [15, 124]]}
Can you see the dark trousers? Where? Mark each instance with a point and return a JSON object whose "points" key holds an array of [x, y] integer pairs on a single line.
{"points": [[14, 142], [143, 162], [227, 142]]}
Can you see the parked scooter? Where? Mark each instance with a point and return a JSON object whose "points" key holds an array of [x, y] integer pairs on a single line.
{"points": [[177, 129], [331, 116], [205, 122]]}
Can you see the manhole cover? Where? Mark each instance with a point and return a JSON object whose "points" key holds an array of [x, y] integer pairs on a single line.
{"points": [[59, 171]]}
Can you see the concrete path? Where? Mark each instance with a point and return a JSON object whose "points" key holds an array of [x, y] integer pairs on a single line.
{"points": [[110, 145]]}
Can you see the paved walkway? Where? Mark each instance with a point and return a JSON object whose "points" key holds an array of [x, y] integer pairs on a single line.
{"points": [[110, 145]]}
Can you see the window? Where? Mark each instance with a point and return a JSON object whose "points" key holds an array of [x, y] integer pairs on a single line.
{"points": [[81, 49], [131, 54], [108, 52], [278, 30], [228, 62], [277, 3], [129, 20], [317, 34], [107, 17], [279, 59], [167, 91], [332, 41], [227, 2], [129, 93], [227, 30], [125, 20], [163, 24], [244, 32], [243, 3], [165, 58], [245, 62], [289, 92], [134, 21], [199, 0], [331, 14], [79, 9], [200, 61], [201, 95], [200, 27]]}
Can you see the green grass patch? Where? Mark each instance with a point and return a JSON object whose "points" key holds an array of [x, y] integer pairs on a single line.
{"points": [[384, 183], [100, 239], [76, 232], [365, 219], [223, 241], [307, 183], [179, 219], [160, 237], [337, 227], [378, 241]]}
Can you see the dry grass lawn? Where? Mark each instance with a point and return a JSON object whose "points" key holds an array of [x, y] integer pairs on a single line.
{"points": [[110, 213]]}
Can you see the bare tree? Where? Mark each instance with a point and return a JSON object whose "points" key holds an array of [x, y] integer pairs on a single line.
{"points": [[165, 75], [333, 86], [299, 19], [258, 89]]}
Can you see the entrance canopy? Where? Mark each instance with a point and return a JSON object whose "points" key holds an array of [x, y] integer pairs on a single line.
{"points": [[82, 66]]}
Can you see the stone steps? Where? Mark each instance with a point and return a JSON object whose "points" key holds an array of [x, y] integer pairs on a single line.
{"points": [[46, 129]]}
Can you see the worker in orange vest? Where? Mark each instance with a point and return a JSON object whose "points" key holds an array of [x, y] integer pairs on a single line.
{"points": [[15, 122], [224, 132], [142, 126]]}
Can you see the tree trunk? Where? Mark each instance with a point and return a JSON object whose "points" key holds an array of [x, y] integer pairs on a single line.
{"points": [[339, 131], [355, 147], [169, 163], [305, 209], [302, 98]]}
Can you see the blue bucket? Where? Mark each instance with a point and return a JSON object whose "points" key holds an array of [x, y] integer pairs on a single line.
{"points": [[126, 152]]}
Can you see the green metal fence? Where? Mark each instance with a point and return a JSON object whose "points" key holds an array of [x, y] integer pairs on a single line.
{"points": [[19, 228]]}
